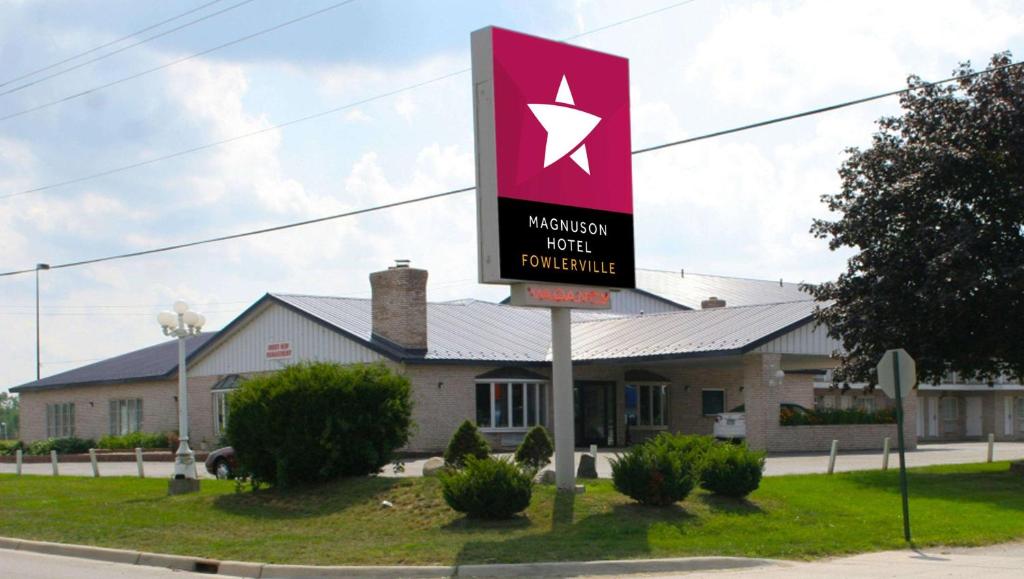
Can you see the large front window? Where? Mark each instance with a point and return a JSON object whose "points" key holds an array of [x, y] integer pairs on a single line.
{"points": [[510, 405], [125, 416], [712, 402], [60, 420], [646, 404], [220, 412]]}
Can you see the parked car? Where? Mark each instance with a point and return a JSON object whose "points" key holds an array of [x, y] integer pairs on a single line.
{"points": [[732, 425], [221, 463]]}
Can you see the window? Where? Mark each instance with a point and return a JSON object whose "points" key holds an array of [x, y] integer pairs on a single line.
{"points": [[865, 404], [125, 416], [646, 404], [510, 405], [712, 402], [949, 408], [60, 420], [1020, 414], [845, 402], [220, 411]]}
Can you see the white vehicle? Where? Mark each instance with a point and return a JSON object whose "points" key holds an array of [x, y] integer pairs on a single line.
{"points": [[733, 425]]}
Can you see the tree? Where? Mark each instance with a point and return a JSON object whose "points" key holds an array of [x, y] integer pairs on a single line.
{"points": [[935, 209], [9, 413]]}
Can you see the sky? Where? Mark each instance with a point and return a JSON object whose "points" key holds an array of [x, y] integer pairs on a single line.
{"points": [[739, 205]]}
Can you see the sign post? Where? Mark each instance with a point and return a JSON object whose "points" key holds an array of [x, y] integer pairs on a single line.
{"points": [[554, 189], [896, 372]]}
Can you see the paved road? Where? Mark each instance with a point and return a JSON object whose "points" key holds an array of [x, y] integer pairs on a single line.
{"points": [[27, 565], [995, 562], [928, 454]]}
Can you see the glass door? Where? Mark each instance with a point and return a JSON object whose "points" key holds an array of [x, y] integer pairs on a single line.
{"points": [[594, 410]]}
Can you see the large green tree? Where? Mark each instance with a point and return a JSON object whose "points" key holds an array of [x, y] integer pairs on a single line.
{"points": [[9, 413], [935, 210]]}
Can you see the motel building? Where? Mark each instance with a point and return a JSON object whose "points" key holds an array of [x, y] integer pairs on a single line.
{"points": [[669, 355]]}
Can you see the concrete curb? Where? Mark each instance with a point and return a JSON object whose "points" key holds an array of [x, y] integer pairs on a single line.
{"points": [[271, 571]]}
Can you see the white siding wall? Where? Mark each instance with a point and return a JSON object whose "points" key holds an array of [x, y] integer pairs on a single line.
{"points": [[807, 339], [633, 302], [245, 350]]}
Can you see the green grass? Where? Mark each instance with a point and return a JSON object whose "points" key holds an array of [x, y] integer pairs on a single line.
{"points": [[794, 517]]}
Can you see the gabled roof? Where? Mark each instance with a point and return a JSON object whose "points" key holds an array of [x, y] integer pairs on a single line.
{"points": [[689, 289], [153, 363]]}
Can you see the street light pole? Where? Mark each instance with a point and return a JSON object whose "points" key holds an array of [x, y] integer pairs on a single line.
{"points": [[39, 364], [180, 324]]}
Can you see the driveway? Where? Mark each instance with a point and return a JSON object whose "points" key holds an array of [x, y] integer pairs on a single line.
{"points": [[925, 455]]}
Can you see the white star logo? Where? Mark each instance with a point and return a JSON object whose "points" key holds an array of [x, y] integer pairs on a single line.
{"points": [[566, 126]]}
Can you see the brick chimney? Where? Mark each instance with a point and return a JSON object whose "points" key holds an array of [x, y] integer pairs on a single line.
{"points": [[712, 302], [399, 310]]}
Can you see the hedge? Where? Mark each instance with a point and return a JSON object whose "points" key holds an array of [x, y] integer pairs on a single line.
{"points": [[788, 417]]}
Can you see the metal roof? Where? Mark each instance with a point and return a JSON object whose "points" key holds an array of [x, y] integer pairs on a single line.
{"points": [[152, 363], [477, 331], [689, 289]]}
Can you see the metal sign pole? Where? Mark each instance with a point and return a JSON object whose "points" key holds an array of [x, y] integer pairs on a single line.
{"points": [[899, 434], [561, 363]]}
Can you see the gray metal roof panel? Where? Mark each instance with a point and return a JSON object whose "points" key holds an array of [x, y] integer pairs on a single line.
{"points": [[150, 363], [690, 289]]}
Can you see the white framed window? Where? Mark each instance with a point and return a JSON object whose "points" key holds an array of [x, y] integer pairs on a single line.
{"points": [[712, 401], [60, 420], [829, 402], [949, 408], [125, 416], [220, 411], [865, 403], [1020, 414], [647, 405], [845, 402], [510, 405]]}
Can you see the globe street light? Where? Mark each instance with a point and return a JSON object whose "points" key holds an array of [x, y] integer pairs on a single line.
{"points": [[180, 324]]}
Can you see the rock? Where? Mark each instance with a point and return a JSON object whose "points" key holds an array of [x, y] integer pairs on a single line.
{"points": [[432, 466], [588, 467], [547, 477], [387, 504]]}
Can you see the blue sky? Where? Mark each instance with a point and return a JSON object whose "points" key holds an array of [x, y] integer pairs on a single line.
{"points": [[738, 205]]}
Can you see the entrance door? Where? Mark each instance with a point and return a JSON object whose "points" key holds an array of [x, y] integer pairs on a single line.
{"points": [[933, 416], [594, 404], [1008, 415], [921, 420], [972, 413]]}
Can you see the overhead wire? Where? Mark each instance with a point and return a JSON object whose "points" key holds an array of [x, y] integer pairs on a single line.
{"points": [[120, 50], [176, 61], [304, 118]]}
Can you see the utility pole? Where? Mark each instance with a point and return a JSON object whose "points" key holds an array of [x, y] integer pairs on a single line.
{"points": [[39, 364]]}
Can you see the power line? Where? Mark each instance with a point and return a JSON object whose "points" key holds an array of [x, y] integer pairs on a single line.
{"points": [[119, 50], [452, 192], [175, 62], [302, 119]]}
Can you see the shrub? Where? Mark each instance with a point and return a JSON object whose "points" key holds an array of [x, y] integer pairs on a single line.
{"points": [[732, 470], [7, 447], [134, 440], [658, 472], [487, 488], [789, 417], [536, 449], [318, 421], [69, 445], [466, 442]]}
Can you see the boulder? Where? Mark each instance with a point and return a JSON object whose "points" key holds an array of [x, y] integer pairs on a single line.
{"points": [[433, 465], [588, 467], [547, 477]]}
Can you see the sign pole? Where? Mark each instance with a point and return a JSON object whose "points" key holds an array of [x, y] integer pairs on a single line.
{"points": [[899, 434], [562, 403]]}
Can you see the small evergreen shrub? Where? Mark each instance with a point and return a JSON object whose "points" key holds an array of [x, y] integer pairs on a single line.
{"points": [[68, 445], [536, 449], [467, 441], [658, 472], [318, 421], [487, 488], [732, 470], [8, 447], [134, 440]]}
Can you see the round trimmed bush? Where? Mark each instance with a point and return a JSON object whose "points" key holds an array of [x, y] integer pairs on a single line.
{"points": [[317, 421], [536, 449], [467, 441], [133, 440], [656, 472], [732, 470], [488, 488]]}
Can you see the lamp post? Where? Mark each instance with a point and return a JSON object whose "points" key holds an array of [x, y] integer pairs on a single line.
{"points": [[39, 365], [3, 428], [180, 324]]}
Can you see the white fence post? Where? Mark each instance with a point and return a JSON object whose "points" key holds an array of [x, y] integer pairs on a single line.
{"points": [[53, 460], [18, 459], [991, 445], [832, 456], [95, 465], [885, 453], [138, 460]]}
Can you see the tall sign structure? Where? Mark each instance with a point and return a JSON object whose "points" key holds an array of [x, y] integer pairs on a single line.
{"points": [[554, 188]]}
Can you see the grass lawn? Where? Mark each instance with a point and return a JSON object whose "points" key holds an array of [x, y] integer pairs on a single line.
{"points": [[794, 517]]}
